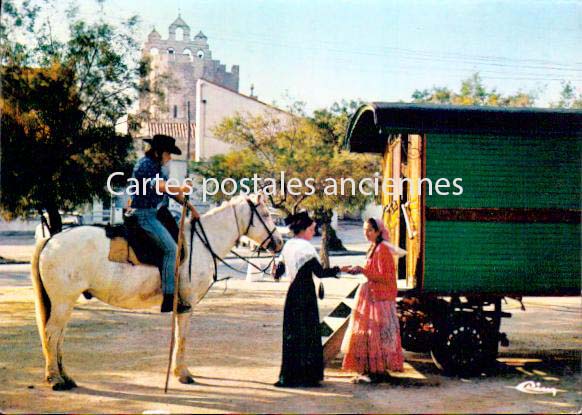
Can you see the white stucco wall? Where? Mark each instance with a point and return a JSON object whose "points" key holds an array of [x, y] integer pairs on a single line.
{"points": [[213, 104]]}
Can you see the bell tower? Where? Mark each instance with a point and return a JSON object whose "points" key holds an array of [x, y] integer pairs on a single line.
{"points": [[179, 62], [179, 24]]}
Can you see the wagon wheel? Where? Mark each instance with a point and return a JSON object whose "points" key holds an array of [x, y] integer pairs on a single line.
{"points": [[416, 328], [465, 345]]}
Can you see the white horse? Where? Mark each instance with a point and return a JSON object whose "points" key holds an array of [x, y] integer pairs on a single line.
{"points": [[74, 261]]}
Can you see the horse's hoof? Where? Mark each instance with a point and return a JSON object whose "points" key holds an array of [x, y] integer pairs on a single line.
{"points": [[59, 383], [187, 380], [71, 383], [63, 386]]}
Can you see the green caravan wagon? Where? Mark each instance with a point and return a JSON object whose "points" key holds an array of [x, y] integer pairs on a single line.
{"points": [[490, 208]]}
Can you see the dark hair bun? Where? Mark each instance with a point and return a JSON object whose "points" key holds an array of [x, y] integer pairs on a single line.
{"points": [[290, 219], [298, 222]]}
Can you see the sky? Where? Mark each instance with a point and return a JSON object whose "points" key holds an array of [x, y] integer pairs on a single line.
{"points": [[322, 51]]}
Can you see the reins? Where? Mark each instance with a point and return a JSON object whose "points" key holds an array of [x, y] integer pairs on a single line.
{"points": [[259, 270], [198, 229], [269, 236]]}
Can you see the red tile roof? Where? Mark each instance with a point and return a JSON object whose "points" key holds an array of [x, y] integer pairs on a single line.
{"points": [[178, 130]]}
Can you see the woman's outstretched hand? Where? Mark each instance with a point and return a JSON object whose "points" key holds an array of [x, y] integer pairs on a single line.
{"points": [[352, 270]]}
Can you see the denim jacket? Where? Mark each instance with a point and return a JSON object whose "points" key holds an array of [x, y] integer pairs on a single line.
{"points": [[147, 197]]}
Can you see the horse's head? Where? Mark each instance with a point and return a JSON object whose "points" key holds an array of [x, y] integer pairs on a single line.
{"points": [[260, 226]]}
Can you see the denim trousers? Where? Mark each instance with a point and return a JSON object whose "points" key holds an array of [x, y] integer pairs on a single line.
{"points": [[147, 219]]}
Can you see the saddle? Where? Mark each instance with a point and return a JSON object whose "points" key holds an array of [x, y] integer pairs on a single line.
{"points": [[130, 243]]}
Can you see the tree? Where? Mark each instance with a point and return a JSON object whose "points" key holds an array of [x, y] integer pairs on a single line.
{"points": [[569, 97], [473, 92], [61, 102], [49, 161], [301, 147]]}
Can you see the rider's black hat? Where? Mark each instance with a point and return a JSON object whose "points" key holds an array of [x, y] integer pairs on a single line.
{"points": [[162, 142]]}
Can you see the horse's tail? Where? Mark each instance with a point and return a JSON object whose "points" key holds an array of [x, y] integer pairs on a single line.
{"points": [[42, 300], [42, 230]]}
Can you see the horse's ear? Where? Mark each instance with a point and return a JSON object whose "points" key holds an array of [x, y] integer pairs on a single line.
{"points": [[257, 198]]}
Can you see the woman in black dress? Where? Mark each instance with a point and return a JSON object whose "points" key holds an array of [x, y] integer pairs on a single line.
{"points": [[302, 363]]}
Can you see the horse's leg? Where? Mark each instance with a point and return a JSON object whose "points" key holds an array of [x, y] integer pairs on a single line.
{"points": [[55, 328], [68, 380], [180, 369]]}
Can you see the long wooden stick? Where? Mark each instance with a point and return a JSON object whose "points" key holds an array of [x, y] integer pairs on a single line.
{"points": [[176, 290]]}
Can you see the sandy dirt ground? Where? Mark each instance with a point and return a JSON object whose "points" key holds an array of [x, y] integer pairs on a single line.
{"points": [[119, 358]]}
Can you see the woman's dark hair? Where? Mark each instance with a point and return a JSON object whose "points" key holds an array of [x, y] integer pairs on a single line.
{"points": [[298, 222], [373, 224]]}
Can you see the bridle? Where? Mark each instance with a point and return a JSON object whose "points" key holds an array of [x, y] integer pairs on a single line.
{"points": [[254, 212], [198, 229]]}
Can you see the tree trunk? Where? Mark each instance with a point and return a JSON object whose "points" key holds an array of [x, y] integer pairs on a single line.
{"points": [[324, 251], [329, 239], [335, 243], [325, 219], [55, 222]]}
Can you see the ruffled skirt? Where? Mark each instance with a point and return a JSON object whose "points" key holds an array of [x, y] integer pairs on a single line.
{"points": [[372, 344]]}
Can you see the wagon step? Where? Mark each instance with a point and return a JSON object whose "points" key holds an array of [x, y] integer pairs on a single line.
{"points": [[334, 325]]}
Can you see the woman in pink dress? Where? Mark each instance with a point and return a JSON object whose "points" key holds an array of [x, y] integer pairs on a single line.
{"points": [[372, 344]]}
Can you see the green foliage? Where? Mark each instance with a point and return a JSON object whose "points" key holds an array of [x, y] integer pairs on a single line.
{"points": [[473, 92], [333, 121], [49, 161], [569, 97], [301, 147], [61, 103]]}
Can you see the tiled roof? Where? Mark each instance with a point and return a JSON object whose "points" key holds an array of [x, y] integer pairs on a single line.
{"points": [[178, 130]]}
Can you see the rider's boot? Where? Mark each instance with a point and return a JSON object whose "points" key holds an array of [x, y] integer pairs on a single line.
{"points": [[167, 304]]}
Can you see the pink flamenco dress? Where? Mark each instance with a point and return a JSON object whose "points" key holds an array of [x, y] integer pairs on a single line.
{"points": [[372, 345]]}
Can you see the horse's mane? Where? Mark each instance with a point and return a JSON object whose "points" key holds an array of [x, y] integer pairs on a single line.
{"points": [[226, 204]]}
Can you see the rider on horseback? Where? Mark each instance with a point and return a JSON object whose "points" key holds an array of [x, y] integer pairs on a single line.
{"points": [[148, 200]]}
